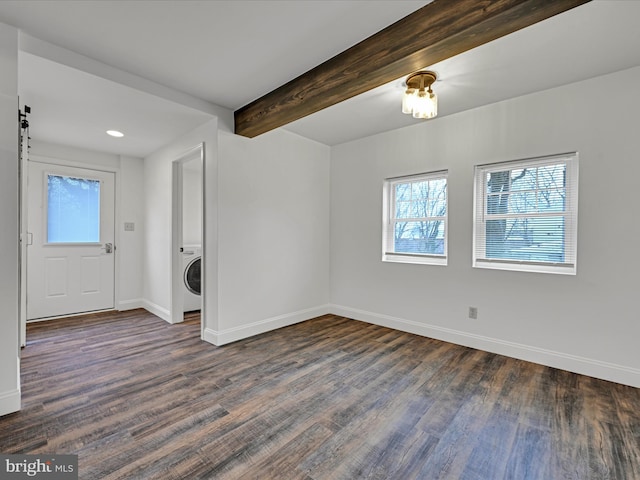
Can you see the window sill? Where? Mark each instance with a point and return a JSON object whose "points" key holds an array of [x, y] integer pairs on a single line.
{"points": [[526, 267], [415, 259]]}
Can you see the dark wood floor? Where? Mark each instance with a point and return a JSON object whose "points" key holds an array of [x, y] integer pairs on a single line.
{"points": [[331, 398]]}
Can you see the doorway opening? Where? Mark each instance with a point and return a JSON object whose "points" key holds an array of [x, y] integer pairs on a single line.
{"points": [[187, 272]]}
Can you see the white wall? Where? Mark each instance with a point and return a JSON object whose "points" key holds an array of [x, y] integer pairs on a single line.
{"points": [[9, 362], [266, 223], [158, 222], [73, 156], [130, 205], [130, 243], [192, 204], [274, 233], [586, 323]]}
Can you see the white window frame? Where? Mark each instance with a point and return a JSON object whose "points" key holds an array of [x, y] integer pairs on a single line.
{"points": [[568, 267], [389, 221]]}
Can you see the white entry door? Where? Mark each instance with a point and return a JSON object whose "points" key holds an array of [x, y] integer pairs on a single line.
{"points": [[70, 252]]}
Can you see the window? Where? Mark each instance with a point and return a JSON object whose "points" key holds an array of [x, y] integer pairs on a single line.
{"points": [[415, 219], [525, 215], [73, 210]]}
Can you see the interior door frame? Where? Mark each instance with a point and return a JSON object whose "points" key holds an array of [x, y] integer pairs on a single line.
{"points": [[176, 304], [24, 216], [22, 271]]}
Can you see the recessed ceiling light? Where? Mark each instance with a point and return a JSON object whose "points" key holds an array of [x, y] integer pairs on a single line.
{"points": [[115, 133]]}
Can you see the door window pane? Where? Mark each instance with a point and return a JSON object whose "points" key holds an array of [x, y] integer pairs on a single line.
{"points": [[73, 210]]}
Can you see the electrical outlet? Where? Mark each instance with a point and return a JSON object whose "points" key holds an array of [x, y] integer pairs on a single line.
{"points": [[473, 313]]}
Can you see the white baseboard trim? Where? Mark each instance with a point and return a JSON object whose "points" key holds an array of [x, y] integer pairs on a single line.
{"points": [[130, 304], [9, 402], [245, 331], [572, 363], [157, 310], [211, 336]]}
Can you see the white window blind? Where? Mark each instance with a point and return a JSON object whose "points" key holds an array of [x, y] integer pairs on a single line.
{"points": [[415, 219], [525, 215]]}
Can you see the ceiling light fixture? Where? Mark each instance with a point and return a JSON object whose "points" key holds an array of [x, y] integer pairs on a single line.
{"points": [[419, 100], [115, 133]]}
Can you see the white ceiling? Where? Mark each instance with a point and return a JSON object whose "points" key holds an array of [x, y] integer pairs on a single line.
{"points": [[71, 107], [229, 53]]}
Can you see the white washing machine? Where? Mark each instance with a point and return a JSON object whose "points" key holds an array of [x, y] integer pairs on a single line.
{"points": [[191, 256]]}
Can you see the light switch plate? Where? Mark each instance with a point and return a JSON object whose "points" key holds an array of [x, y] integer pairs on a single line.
{"points": [[129, 226]]}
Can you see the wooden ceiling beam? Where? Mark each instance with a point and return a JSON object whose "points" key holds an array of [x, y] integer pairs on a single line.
{"points": [[437, 31]]}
